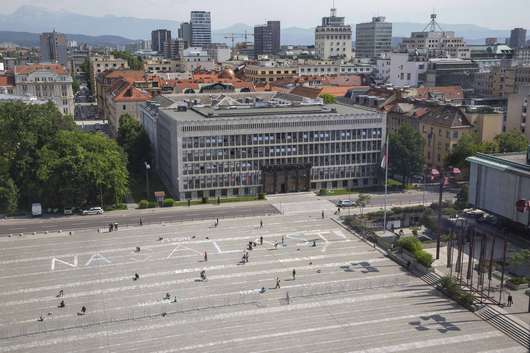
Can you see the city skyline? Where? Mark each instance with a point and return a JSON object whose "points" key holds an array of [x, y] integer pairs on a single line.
{"points": [[484, 14]]}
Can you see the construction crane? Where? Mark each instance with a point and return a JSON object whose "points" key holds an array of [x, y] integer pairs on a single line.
{"points": [[234, 36]]}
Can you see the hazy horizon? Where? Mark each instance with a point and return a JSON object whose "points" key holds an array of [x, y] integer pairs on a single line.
{"points": [[230, 12]]}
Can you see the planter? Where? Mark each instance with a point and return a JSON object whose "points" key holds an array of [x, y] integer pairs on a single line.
{"points": [[408, 256]]}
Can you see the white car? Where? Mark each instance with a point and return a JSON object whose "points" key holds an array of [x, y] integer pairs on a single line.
{"points": [[345, 203], [93, 211]]}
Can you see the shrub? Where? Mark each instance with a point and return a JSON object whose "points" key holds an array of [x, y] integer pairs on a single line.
{"points": [[152, 204], [143, 204], [424, 258], [518, 280], [204, 200], [120, 206], [323, 192], [410, 244], [261, 196], [169, 202]]}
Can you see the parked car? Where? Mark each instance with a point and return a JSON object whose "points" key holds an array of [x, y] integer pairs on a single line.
{"points": [[68, 211], [345, 203], [93, 211]]}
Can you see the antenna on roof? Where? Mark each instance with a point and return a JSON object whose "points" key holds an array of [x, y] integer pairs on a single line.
{"points": [[433, 26]]}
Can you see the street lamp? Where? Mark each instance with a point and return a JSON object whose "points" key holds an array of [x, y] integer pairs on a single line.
{"points": [[147, 167]]}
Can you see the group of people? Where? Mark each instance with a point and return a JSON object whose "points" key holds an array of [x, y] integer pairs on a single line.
{"points": [[113, 227], [62, 305]]}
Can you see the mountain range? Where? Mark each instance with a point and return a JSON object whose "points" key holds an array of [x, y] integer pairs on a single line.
{"points": [[20, 27]]}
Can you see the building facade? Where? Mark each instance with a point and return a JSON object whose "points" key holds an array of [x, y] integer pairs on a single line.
{"points": [[512, 172], [102, 63], [518, 38], [267, 38], [53, 48], [195, 58], [333, 39], [272, 143], [269, 72], [517, 117], [46, 82], [184, 33], [201, 29], [158, 38], [373, 38]]}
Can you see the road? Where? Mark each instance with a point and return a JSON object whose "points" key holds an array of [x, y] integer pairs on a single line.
{"points": [[346, 296], [132, 217]]}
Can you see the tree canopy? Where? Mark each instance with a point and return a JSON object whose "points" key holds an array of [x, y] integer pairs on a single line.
{"points": [[135, 142], [134, 62], [328, 98], [511, 141], [43, 158], [406, 152]]}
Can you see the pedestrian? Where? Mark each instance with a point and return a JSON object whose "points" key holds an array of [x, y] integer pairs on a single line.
{"points": [[510, 300], [136, 277], [277, 283], [322, 214], [111, 226], [287, 298], [83, 310], [61, 304], [217, 222], [174, 299], [275, 245], [246, 256], [205, 256], [41, 318], [168, 296], [294, 274], [261, 223], [283, 241], [141, 222], [261, 240], [60, 294], [116, 226], [314, 243]]}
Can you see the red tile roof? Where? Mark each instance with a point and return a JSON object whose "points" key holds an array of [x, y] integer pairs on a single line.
{"points": [[449, 92], [6, 80], [27, 69]]}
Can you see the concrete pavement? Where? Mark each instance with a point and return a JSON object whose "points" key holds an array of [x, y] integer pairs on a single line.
{"points": [[346, 297]]}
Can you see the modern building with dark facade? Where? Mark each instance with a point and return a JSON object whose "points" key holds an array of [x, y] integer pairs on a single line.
{"points": [[218, 145], [201, 29], [53, 48], [184, 33], [373, 38], [267, 38], [518, 38], [158, 38]]}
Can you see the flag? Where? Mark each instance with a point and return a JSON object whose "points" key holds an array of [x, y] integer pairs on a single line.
{"points": [[384, 162]]}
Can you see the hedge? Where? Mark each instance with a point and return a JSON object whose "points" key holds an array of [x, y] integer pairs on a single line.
{"points": [[143, 204], [453, 290], [415, 247], [169, 202]]}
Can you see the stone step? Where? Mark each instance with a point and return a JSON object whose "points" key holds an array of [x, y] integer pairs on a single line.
{"points": [[506, 325]]}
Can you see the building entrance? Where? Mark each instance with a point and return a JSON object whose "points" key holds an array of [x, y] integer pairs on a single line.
{"points": [[280, 179]]}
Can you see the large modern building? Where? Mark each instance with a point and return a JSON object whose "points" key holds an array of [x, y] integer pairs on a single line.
{"points": [[333, 39], [512, 172], [434, 42], [158, 38], [201, 29], [267, 38], [518, 38], [373, 38], [244, 143], [184, 33], [517, 116], [53, 48], [46, 82]]}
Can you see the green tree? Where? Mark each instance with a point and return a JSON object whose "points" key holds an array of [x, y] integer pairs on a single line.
{"points": [[134, 62], [362, 201], [406, 152], [24, 130], [87, 68], [135, 142], [80, 168], [467, 146], [521, 257], [8, 195], [328, 98], [76, 85], [512, 141]]}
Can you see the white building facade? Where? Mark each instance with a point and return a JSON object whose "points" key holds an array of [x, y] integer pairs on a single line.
{"points": [[333, 39]]}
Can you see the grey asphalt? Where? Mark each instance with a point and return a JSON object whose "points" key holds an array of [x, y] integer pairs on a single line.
{"points": [[346, 297], [132, 218]]}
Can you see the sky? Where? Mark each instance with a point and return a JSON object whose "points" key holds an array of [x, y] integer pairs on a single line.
{"points": [[493, 14]]}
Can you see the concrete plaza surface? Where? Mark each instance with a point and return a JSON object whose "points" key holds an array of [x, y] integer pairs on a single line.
{"points": [[346, 296]]}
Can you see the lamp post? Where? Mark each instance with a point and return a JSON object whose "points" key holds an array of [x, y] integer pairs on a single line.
{"points": [[147, 168]]}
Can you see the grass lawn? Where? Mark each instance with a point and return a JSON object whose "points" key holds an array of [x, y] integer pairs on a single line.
{"points": [[213, 201], [337, 192]]}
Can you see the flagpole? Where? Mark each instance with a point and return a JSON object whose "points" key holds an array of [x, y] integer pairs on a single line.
{"points": [[386, 184]]}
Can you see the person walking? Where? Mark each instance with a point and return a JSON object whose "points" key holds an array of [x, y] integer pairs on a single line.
{"points": [[283, 241], [261, 223], [205, 256], [294, 274], [510, 300], [60, 294], [322, 214], [277, 283], [261, 240], [141, 222], [83, 310]]}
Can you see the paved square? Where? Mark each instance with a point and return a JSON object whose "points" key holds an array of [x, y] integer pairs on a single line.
{"points": [[346, 296]]}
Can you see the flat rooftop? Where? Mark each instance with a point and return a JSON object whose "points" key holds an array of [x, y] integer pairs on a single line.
{"points": [[511, 162]]}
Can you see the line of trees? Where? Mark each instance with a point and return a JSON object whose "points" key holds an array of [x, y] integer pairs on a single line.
{"points": [[45, 158]]}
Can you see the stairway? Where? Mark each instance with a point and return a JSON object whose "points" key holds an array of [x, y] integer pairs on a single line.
{"points": [[515, 330]]}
